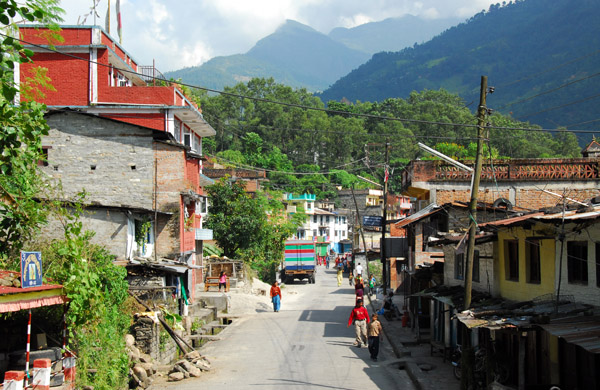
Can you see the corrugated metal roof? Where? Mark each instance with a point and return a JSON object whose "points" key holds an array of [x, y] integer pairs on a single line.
{"points": [[583, 331], [510, 221], [425, 212]]}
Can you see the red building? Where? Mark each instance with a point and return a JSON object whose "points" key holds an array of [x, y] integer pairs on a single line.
{"points": [[92, 74]]}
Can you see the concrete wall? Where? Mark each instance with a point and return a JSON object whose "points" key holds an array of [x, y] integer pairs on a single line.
{"points": [[521, 290], [586, 293], [486, 281]]}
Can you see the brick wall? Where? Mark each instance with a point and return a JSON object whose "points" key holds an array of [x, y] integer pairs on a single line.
{"points": [[38, 36], [154, 121], [69, 76]]}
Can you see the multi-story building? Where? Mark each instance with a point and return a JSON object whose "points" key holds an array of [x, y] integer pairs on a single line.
{"points": [[324, 225], [133, 146]]}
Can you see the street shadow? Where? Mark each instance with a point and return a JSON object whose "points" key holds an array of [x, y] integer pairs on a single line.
{"points": [[342, 290]]}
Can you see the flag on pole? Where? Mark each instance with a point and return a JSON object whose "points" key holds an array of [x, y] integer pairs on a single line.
{"points": [[107, 20], [387, 175], [119, 26]]}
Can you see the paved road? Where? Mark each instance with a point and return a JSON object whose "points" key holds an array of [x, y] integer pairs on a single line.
{"points": [[304, 346]]}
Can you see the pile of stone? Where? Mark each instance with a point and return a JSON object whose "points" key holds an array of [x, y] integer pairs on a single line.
{"points": [[10, 279], [191, 365], [142, 369]]}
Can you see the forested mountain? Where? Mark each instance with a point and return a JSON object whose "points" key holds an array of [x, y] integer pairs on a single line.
{"points": [[301, 57], [542, 57], [391, 34], [295, 55]]}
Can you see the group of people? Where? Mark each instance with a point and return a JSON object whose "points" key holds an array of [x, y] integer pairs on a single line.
{"points": [[368, 331]]}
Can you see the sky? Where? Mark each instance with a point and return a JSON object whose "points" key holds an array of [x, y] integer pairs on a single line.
{"points": [[183, 33]]}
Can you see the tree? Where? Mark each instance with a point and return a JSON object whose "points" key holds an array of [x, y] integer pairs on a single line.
{"points": [[23, 126], [234, 217], [252, 229]]}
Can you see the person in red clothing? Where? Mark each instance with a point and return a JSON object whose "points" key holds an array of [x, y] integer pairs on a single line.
{"points": [[276, 296], [360, 316]]}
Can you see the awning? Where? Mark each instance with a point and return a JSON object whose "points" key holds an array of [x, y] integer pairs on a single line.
{"points": [[16, 298]]}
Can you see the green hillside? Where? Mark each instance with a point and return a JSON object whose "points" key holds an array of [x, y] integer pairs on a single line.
{"points": [[525, 48]]}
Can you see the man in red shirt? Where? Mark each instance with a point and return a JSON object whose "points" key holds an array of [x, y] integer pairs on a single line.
{"points": [[360, 316]]}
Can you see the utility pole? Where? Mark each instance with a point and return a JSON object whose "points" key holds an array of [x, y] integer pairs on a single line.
{"points": [[481, 113], [384, 273]]}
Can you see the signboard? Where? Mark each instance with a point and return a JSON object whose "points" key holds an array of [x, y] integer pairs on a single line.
{"points": [[204, 234], [369, 220], [31, 269]]}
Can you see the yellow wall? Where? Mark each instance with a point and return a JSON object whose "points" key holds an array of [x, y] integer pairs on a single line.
{"points": [[521, 290]]}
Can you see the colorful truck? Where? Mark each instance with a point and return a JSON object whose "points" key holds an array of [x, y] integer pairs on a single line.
{"points": [[299, 261]]}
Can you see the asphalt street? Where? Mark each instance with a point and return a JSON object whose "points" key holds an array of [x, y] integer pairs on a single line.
{"points": [[306, 345]]}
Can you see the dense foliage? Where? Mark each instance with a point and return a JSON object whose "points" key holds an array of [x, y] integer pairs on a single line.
{"points": [[513, 45], [97, 290], [23, 126], [316, 150], [252, 229], [95, 287]]}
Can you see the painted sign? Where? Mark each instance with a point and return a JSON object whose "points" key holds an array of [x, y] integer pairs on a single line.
{"points": [[369, 220], [31, 269]]}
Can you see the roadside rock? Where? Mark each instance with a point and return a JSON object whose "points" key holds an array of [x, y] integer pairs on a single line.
{"points": [[176, 376]]}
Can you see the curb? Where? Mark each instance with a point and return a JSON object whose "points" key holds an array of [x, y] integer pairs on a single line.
{"points": [[412, 369]]}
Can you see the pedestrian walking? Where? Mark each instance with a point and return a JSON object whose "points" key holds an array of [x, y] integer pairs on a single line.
{"points": [[351, 278], [276, 296], [359, 287], [374, 333], [372, 282], [327, 262], [359, 269], [340, 274], [360, 316], [223, 281]]}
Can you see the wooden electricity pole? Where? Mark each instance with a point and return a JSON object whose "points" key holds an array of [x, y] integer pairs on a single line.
{"points": [[384, 272], [481, 113]]}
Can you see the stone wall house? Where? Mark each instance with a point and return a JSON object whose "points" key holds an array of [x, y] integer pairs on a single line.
{"points": [[134, 180]]}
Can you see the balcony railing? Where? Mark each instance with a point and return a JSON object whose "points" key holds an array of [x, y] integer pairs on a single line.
{"points": [[522, 169], [150, 74]]}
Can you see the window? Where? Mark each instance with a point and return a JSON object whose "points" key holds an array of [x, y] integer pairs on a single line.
{"points": [[314, 232], [197, 146], [532, 259], [315, 219], [177, 130], [43, 161], [309, 206], [577, 254], [327, 219], [459, 266], [597, 265], [336, 233], [187, 137], [511, 259]]}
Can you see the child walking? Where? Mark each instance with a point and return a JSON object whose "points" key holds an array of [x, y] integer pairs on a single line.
{"points": [[374, 332]]}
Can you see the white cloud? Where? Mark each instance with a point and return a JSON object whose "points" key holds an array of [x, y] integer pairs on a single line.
{"points": [[355, 20], [189, 32], [430, 13]]}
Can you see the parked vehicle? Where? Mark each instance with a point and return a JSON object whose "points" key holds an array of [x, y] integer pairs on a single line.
{"points": [[299, 261]]}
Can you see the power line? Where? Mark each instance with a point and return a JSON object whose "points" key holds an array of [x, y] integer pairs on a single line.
{"points": [[562, 106], [292, 105], [549, 91]]}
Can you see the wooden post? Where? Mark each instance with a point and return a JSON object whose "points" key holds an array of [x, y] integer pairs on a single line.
{"points": [[481, 112]]}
